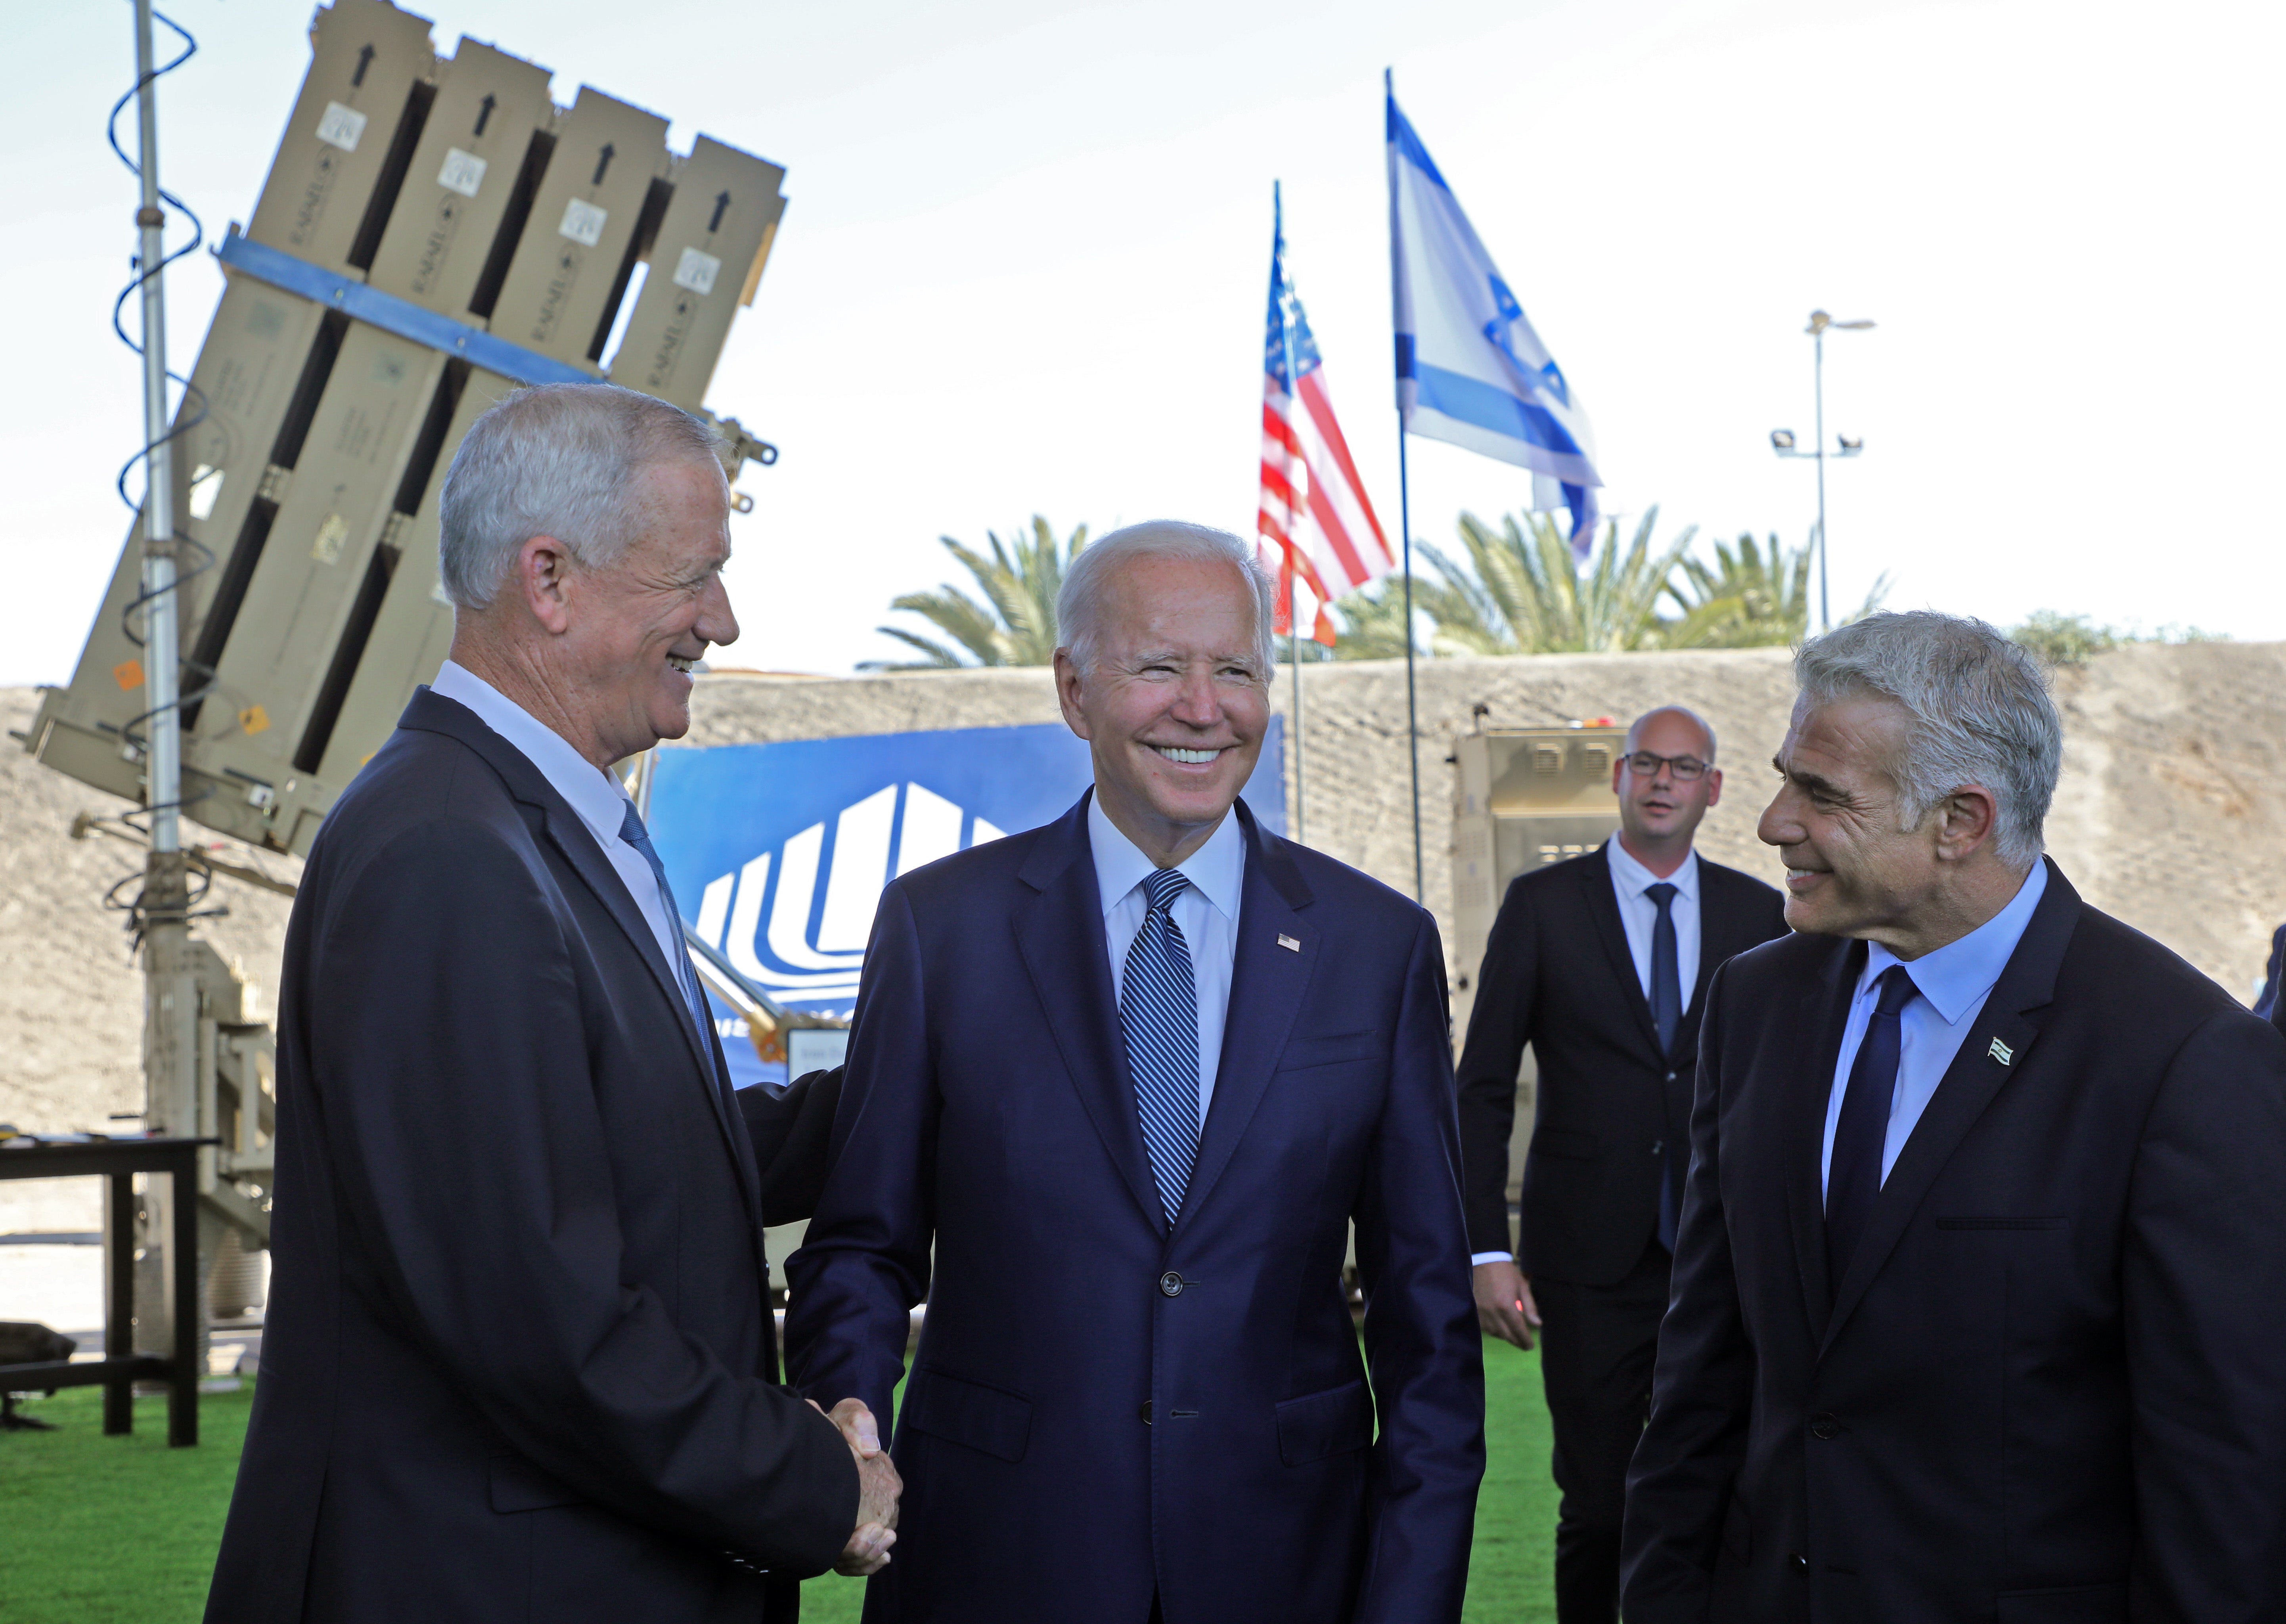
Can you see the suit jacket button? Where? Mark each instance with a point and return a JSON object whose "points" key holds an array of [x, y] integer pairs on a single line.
{"points": [[1799, 1563], [1147, 1411], [1670, 1076], [1823, 1426], [1659, 1148], [1172, 1283]]}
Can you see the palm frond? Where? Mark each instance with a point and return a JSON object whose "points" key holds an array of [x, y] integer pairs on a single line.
{"points": [[1015, 624]]}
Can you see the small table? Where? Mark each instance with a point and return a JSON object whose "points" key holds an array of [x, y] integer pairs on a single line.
{"points": [[120, 1365]]}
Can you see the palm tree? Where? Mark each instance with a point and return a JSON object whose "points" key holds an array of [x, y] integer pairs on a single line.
{"points": [[1750, 598], [1016, 623], [1747, 598], [1520, 593]]}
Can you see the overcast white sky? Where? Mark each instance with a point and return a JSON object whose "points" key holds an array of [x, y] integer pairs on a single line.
{"points": [[1024, 262]]}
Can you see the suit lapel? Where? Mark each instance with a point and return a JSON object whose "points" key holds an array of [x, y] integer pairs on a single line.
{"points": [[1971, 1083], [573, 841], [1603, 907], [1266, 983], [1059, 933], [1824, 1017]]}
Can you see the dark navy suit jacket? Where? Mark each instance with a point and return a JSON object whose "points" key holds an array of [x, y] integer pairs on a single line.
{"points": [[1101, 1407], [2049, 1388], [519, 1360]]}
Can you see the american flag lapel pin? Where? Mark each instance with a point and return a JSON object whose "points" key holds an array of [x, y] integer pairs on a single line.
{"points": [[1289, 944], [2001, 1051]]}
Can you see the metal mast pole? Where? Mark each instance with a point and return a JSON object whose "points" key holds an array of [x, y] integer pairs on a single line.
{"points": [[1825, 579], [170, 1072], [163, 759]]}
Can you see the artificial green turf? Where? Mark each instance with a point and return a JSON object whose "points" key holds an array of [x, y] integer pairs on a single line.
{"points": [[122, 1530], [114, 1530]]}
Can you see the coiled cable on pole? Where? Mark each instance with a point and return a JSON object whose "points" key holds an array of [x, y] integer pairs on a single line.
{"points": [[194, 401]]}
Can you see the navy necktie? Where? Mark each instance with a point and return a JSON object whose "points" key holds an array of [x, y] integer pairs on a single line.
{"points": [[678, 960], [1853, 1173], [1159, 1016], [1667, 1014]]}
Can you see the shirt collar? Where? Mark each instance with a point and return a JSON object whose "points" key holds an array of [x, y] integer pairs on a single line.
{"points": [[1958, 976], [1218, 868], [592, 793], [1634, 879]]}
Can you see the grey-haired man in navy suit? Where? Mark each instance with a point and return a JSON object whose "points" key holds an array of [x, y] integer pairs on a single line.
{"points": [[1975, 1295], [1117, 1088]]}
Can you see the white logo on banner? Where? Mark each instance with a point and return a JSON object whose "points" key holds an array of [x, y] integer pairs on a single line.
{"points": [[826, 964]]}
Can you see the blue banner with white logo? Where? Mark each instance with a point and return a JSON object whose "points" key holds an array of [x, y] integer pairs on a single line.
{"points": [[779, 853]]}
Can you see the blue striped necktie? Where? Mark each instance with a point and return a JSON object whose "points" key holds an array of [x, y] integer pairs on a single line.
{"points": [[1159, 1015]]}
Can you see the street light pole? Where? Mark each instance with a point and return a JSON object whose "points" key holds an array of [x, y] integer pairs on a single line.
{"points": [[1817, 395], [1782, 442]]}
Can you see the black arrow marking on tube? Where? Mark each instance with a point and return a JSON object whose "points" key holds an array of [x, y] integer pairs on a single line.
{"points": [[365, 60], [602, 162], [484, 113], [721, 204]]}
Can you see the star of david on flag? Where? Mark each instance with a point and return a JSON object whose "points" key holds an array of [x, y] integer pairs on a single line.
{"points": [[1316, 524], [1470, 371]]}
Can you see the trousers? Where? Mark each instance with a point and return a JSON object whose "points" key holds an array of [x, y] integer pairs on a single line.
{"points": [[1597, 1346]]}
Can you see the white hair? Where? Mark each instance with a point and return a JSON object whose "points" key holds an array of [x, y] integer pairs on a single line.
{"points": [[560, 459], [1079, 605], [1980, 713]]}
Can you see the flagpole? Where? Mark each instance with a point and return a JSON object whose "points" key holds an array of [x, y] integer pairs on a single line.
{"points": [[1405, 526], [1412, 697], [1294, 654], [1293, 570]]}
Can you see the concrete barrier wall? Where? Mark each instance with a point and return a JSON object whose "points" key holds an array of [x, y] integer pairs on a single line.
{"points": [[2172, 812]]}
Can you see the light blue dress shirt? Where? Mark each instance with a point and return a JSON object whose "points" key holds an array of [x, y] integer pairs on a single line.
{"points": [[1640, 915], [1953, 982], [1206, 913], [590, 791]]}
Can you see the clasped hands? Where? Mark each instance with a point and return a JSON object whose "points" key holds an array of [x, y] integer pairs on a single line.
{"points": [[877, 1488]]}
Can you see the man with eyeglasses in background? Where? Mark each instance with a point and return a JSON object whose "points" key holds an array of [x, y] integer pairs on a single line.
{"points": [[1601, 964]]}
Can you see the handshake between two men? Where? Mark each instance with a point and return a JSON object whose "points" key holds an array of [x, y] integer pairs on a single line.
{"points": [[877, 1488], [1118, 1089]]}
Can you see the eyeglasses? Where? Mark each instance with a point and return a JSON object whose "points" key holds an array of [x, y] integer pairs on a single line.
{"points": [[1686, 769]]}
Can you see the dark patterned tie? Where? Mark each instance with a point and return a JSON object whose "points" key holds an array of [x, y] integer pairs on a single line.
{"points": [[1667, 1014], [1159, 1015], [1853, 1174], [632, 831]]}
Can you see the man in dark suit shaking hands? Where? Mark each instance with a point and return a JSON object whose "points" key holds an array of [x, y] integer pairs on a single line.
{"points": [[1601, 964], [1976, 1301], [1116, 1088], [519, 1360]]}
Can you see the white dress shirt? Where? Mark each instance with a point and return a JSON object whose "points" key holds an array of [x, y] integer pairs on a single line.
{"points": [[586, 788], [1206, 913], [1953, 982], [1640, 915]]}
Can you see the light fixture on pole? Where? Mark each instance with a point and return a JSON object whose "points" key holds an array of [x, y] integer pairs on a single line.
{"points": [[1851, 445]]}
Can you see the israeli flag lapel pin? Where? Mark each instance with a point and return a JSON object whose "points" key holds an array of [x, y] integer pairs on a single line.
{"points": [[1289, 943], [2002, 1052]]}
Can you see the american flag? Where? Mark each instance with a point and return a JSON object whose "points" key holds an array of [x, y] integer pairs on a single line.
{"points": [[1317, 526]]}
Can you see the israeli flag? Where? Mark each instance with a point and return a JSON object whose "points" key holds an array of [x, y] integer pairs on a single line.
{"points": [[1469, 369]]}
